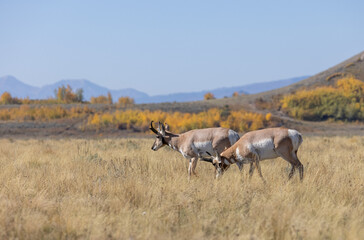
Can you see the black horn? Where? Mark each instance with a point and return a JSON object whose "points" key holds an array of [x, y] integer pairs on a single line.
{"points": [[152, 128], [206, 160]]}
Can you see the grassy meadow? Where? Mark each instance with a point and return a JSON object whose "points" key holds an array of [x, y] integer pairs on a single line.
{"points": [[121, 189]]}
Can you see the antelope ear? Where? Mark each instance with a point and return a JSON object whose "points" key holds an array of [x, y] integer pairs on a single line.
{"points": [[159, 127], [166, 126], [162, 130]]}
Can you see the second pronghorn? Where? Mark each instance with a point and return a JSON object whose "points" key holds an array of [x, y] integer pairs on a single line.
{"points": [[259, 145]]}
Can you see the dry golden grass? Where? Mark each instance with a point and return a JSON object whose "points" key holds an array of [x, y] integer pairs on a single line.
{"points": [[111, 188]]}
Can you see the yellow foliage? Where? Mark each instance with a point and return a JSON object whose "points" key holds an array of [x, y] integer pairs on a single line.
{"points": [[7, 99], [139, 120], [42, 113], [107, 119], [350, 86], [268, 116], [99, 100], [235, 94], [209, 96], [66, 95], [181, 122], [95, 120], [125, 101], [343, 101]]}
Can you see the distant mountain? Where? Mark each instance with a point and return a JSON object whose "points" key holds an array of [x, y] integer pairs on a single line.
{"points": [[222, 92], [17, 88], [22, 90], [89, 90], [267, 86]]}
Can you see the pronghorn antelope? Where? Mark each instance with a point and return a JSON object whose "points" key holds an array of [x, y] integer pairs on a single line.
{"points": [[263, 144], [195, 144]]}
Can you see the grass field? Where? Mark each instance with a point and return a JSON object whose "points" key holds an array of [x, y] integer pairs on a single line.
{"points": [[120, 189]]}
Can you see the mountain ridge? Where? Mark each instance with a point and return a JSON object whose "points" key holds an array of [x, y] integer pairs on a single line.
{"points": [[21, 90]]}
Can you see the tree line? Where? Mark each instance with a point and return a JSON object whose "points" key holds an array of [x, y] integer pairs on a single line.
{"points": [[66, 95]]}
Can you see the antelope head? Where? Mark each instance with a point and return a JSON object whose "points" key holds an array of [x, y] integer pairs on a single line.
{"points": [[220, 167], [161, 139]]}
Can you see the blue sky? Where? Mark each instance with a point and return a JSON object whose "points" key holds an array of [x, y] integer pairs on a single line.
{"points": [[162, 47]]}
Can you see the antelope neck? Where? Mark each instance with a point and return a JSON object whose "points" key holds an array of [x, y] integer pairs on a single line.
{"points": [[174, 142]]}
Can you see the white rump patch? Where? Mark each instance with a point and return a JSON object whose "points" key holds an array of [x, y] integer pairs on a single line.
{"points": [[295, 137], [233, 137]]}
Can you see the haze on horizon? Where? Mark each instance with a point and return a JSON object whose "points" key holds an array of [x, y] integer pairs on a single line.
{"points": [[161, 47]]}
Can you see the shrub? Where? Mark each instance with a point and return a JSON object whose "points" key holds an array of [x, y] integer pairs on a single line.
{"points": [[140, 120], [209, 96], [235, 94], [102, 99], [66, 94], [125, 101], [7, 99], [344, 101]]}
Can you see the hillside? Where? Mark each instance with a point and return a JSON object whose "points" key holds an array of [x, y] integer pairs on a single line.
{"points": [[353, 66]]}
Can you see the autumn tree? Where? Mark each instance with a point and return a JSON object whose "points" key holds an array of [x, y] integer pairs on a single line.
{"points": [[79, 95], [102, 99], [6, 98], [209, 96], [125, 101], [66, 94], [109, 98]]}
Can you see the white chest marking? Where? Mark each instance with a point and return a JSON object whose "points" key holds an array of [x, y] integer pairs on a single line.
{"points": [[183, 153], [173, 147], [240, 158]]}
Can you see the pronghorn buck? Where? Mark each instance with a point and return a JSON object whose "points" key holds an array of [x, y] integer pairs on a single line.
{"points": [[263, 144], [195, 144]]}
